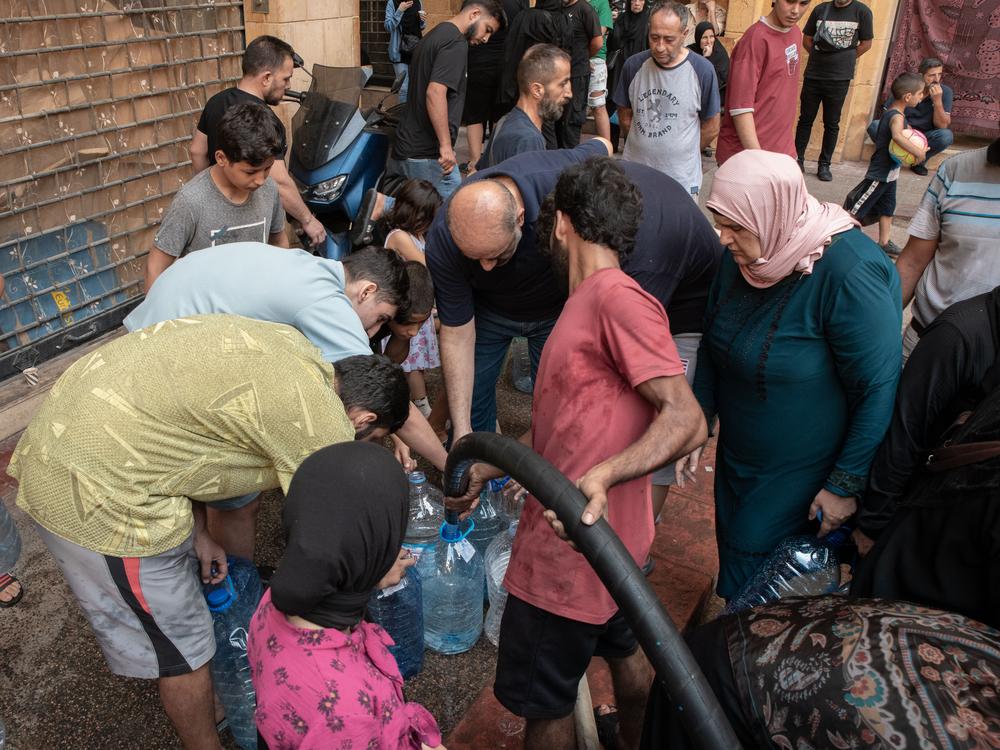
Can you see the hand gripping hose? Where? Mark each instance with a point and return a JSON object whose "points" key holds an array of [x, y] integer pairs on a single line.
{"points": [[676, 669]]}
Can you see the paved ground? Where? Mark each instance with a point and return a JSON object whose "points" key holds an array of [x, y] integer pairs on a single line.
{"points": [[55, 691]]}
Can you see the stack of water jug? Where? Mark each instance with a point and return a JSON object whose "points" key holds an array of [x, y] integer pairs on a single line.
{"points": [[439, 602]]}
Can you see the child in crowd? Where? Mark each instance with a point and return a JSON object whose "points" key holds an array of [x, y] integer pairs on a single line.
{"points": [[875, 198], [416, 203], [324, 677]]}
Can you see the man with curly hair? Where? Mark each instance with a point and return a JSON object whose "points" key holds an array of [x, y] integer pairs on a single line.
{"points": [[493, 281], [611, 363]]}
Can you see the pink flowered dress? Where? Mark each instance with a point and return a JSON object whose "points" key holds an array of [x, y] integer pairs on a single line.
{"points": [[326, 689], [424, 353]]}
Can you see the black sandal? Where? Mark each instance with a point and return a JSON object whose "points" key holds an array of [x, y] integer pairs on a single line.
{"points": [[6, 581], [606, 718]]}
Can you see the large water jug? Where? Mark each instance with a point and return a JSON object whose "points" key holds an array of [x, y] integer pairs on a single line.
{"points": [[10, 541], [520, 366], [426, 514], [400, 610], [496, 560], [452, 576], [232, 604], [489, 518], [3, 736], [799, 566]]}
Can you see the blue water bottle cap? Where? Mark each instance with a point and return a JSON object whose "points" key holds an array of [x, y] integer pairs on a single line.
{"points": [[498, 484], [451, 530], [416, 477], [220, 596]]}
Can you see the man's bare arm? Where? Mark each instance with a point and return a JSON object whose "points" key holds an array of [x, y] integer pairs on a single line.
{"points": [[157, 262], [912, 261], [458, 347], [199, 151], [293, 204], [746, 130], [709, 130]]}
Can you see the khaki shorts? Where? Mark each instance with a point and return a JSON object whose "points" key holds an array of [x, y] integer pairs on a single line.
{"points": [[687, 348], [148, 613], [598, 94]]}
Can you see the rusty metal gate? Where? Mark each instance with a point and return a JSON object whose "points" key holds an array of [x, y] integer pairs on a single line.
{"points": [[98, 100]]}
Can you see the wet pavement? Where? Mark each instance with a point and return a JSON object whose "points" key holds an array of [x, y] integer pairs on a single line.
{"points": [[55, 691]]}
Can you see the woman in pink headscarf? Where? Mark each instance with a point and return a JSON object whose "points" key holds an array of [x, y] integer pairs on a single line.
{"points": [[799, 360]]}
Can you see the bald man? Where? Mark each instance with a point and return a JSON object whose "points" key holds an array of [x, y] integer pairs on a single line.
{"points": [[493, 282]]}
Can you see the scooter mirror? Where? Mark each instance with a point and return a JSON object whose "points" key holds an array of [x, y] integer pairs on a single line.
{"points": [[398, 83], [297, 60]]}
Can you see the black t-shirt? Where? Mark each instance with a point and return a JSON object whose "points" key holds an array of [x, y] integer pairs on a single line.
{"points": [[675, 259], [217, 106], [848, 27], [882, 163], [441, 58], [583, 25]]}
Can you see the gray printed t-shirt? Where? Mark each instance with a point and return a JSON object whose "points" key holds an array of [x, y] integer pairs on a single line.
{"points": [[263, 282], [201, 216], [668, 106]]}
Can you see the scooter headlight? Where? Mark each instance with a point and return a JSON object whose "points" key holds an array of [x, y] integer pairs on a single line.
{"points": [[330, 190]]}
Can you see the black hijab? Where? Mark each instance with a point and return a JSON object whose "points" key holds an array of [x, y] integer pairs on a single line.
{"points": [[345, 515], [631, 31], [719, 57]]}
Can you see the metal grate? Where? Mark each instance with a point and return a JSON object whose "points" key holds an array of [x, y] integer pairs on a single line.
{"points": [[98, 100], [375, 40]]}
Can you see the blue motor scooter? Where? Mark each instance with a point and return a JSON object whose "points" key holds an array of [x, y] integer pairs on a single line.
{"points": [[338, 150]]}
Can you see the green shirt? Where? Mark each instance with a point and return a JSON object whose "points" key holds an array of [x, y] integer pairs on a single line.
{"points": [[202, 408], [603, 10]]}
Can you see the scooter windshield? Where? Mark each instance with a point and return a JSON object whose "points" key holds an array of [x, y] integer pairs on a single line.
{"points": [[329, 111]]}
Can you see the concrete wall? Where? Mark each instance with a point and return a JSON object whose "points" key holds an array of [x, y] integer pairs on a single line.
{"points": [[321, 31], [864, 92]]}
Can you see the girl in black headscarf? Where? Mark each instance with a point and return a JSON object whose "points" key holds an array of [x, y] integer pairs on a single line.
{"points": [[706, 45], [321, 673]]}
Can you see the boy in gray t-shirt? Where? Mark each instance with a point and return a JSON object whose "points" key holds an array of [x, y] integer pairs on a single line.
{"points": [[234, 200]]}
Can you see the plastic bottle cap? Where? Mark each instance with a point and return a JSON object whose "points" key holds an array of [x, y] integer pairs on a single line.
{"points": [[221, 596], [452, 531], [416, 477]]}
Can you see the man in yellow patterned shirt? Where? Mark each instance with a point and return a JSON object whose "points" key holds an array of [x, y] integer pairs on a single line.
{"points": [[138, 436]]}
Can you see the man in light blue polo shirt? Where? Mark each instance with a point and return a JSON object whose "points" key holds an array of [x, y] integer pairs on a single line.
{"points": [[336, 305]]}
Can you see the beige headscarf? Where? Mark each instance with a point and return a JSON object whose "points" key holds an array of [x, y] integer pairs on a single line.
{"points": [[766, 193]]}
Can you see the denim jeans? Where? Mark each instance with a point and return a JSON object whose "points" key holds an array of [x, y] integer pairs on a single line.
{"points": [[493, 336], [831, 95], [402, 67], [430, 170]]}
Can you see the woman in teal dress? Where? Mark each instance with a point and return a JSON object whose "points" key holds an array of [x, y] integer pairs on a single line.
{"points": [[800, 359]]}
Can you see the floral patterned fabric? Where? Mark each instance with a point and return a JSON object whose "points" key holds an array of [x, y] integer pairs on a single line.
{"points": [[331, 690], [834, 673]]}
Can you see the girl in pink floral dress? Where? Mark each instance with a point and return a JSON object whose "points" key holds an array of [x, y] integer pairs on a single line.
{"points": [[324, 677]]}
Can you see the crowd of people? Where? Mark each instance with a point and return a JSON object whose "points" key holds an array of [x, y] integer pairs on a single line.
{"points": [[777, 325]]}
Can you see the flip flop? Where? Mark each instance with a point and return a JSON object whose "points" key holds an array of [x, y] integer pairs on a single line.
{"points": [[606, 718], [7, 580]]}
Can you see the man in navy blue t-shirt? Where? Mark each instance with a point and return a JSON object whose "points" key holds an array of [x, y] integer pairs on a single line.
{"points": [[544, 84], [493, 283]]}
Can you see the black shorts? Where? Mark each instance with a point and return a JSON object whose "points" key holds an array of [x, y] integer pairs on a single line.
{"points": [[543, 656], [482, 86], [875, 199]]}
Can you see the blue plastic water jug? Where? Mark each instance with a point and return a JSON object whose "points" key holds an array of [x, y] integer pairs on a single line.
{"points": [[10, 541], [452, 576], [232, 603], [799, 566], [399, 610]]}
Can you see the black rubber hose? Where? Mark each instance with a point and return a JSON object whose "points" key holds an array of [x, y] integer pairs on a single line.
{"points": [[676, 669]]}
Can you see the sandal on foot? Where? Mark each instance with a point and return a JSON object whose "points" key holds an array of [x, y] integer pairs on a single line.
{"points": [[6, 581], [606, 718]]}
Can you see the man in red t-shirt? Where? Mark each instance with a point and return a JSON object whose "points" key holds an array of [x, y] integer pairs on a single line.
{"points": [[611, 404], [763, 84]]}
